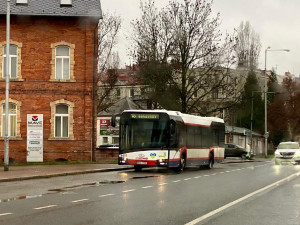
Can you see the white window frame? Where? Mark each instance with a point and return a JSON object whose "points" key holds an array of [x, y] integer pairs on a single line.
{"points": [[61, 125], [62, 63], [9, 120], [10, 65], [131, 89]]}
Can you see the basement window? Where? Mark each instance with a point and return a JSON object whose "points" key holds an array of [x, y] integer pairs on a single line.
{"points": [[65, 2], [22, 2]]}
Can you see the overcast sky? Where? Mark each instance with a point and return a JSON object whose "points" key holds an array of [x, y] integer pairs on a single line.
{"points": [[276, 21]]}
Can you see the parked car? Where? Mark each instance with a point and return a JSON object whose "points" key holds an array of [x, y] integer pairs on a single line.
{"points": [[233, 150], [287, 152]]}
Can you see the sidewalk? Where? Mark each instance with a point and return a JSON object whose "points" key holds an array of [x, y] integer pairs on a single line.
{"points": [[17, 173]]}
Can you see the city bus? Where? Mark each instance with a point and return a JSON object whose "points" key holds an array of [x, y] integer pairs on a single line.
{"points": [[161, 138]]}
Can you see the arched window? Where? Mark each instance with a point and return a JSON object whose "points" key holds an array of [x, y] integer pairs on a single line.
{"points": [[13, 62], [62, 121], [62, 62], [12, 120]]}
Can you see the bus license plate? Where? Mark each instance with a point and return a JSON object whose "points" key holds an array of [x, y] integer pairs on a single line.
{"points": [[141, 163]]}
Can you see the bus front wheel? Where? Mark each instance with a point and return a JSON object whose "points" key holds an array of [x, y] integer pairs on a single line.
{"points": [[182, 164], [137, 168]]}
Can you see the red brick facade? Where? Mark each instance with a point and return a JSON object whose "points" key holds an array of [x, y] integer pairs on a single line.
{"points": [[37, 88]]}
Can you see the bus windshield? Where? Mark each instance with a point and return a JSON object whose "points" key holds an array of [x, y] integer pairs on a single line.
{"points": [[142, 134]]}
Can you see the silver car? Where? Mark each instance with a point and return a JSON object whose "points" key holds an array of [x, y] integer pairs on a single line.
{"points": [[287, 152]]}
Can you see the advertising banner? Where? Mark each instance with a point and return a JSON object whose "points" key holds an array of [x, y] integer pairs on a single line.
{"points": [[34, 137], [107, 129]]}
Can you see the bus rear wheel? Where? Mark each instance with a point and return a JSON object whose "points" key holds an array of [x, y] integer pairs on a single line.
{"points": [[210, 162]]}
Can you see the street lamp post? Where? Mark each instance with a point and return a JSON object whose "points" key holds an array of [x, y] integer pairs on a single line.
{"points": [[7, 77], [266, 97]]}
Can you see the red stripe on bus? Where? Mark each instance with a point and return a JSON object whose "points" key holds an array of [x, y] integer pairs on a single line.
{"points": [[198, 125]]}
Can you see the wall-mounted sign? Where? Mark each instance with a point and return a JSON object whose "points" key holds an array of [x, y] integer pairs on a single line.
{"points": [[34, 137], [107, 129]]}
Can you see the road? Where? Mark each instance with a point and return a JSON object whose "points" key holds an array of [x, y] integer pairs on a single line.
{"points": [[237, 193]]}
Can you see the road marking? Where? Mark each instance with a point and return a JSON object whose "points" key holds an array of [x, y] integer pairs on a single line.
{"points": [[163, 184], [197, 177], [101, 196], [227, 171], [206, 175], [212, 213], [80, 200], [222, 172], [147, 187], [175, 181], [129, 190], [188, 179], [46, 207], [5, 214], [213, 174]]}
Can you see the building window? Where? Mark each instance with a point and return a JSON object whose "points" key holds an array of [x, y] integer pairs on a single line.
{"points": [[13, 61], [105, 140], [215, 93], [62, 63], [61, 121], [118, 93], [131, 92], [12, 120]]}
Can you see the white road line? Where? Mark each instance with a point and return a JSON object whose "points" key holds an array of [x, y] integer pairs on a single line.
{"points": [[206, 175], [80, 200], [197, 177], [129, 190], [163, 184], [101, 196], [188, 179], [147, 187], [46, 207], [213, 174], [175, 181], [5, 214], [222, 172], [212, 213], [227, 171]]}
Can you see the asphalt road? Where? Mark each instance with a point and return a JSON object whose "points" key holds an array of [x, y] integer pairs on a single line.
{"points": [[243, 193]]}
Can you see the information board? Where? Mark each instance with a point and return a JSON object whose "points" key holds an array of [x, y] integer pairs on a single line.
{"points": [[34, 137]]}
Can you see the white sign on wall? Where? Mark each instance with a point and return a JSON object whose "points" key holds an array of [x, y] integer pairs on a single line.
{"points": [[34, 137]]}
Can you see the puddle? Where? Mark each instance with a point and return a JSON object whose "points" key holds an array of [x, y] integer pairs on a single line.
{"points": [[143, 177]]}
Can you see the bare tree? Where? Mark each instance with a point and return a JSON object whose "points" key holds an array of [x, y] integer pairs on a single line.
{"points": [[182, 56], [108, 61], [248, 45]]}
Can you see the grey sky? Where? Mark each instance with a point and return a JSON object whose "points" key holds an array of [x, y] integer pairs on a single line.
{"points": [[276, 21]]}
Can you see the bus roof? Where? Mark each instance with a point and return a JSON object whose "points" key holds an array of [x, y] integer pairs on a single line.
{"points": [[187, 118]]}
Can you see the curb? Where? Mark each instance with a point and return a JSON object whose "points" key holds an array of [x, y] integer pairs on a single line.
{"points": [[63, 174]]}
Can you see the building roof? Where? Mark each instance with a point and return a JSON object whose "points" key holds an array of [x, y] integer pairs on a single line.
{"points": [[241, 131], [119, 107], [79, 8]]}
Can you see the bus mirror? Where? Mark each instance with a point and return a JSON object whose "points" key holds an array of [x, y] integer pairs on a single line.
{"points": [[113, 121]]}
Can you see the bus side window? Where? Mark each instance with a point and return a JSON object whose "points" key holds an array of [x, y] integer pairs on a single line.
{"points": [[190, 137], [198, 137], [182, 139]]}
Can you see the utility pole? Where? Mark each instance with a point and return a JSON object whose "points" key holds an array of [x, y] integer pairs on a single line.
{"points": [[7, 77]]}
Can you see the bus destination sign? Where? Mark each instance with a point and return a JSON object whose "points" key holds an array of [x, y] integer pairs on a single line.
{"points": [[144, 116]]}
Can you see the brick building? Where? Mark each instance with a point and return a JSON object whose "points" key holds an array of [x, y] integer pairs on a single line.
{"points": [[53, 48]]}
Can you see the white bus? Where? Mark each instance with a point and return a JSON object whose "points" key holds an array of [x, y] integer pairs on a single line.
{"points": [[161, 138]]}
